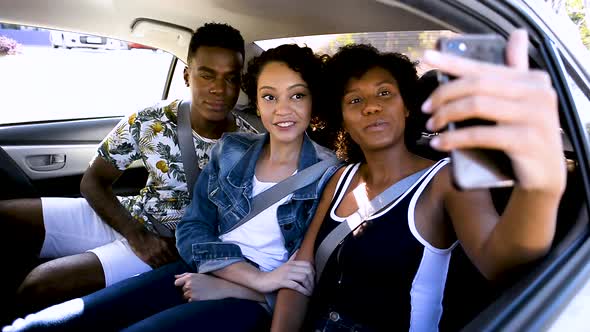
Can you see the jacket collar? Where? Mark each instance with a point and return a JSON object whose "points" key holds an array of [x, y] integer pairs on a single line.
{"points": [[242, 172]]}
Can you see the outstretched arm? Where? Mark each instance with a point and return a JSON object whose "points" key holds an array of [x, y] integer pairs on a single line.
{"points": [[523, 103]]}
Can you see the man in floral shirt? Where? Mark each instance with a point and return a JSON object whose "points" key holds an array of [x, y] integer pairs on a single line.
{"points": [[101, 239], [151, 136]]}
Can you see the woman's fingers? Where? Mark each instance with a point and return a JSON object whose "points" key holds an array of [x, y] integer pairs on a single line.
{"points": [[187, 295], [187, 285], [516, 57], [302, 267], [300, 263], [292, 258], [460, 66], [304, 279], [181, 280], [296, 286], [184, 281], [486, 137], [521, 86], [475, 107], [187, 291], [521, 102], [296, 275], [517, 50]]}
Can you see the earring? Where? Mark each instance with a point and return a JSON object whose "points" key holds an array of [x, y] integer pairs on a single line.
{"points": [[258, 112]]}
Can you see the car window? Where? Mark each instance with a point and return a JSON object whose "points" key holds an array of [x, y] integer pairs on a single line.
{"points": [[582, 103], [178, 88], [57, 75], [410, 43]]}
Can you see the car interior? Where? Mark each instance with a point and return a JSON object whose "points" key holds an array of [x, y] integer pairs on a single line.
{"points": [[47, 157]]}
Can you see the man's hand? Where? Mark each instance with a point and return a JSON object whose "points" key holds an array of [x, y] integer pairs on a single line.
{"points": [[152, 249], [96, 187]]}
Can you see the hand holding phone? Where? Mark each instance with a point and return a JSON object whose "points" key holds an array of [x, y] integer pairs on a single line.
{"points": [[477, 168]]}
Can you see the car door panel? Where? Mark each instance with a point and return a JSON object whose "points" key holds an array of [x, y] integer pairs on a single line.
{"points": [[49, 159], [52, 161], [58, 132]]}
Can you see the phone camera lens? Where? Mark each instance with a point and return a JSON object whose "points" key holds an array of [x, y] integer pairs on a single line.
{"points": [[457, 47], [462, 47]]}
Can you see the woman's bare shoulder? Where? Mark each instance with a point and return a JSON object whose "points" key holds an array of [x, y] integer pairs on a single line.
{"points": [[332, 183], [442, 181]]}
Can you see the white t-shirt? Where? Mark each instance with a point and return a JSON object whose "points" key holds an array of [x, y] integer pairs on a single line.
{"points": [[261, 239]]}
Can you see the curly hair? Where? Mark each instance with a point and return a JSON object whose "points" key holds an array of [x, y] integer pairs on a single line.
{"points": [[303, 61], [353, 61], [216, 35]]}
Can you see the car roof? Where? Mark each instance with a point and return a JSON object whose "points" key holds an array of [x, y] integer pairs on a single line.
{"points": [[256, 19]]}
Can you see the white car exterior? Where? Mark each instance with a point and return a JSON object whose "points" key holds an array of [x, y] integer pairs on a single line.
{"points": [[71, 40]]}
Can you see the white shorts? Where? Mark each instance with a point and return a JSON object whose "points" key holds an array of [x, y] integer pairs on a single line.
{"points": [[72, 227]]}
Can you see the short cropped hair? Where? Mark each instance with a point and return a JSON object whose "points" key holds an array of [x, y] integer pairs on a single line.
{"points": [[216, 35], [353, 61]]}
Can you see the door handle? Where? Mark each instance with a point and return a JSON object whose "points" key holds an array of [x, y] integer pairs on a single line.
{"points": [[46, 162]]}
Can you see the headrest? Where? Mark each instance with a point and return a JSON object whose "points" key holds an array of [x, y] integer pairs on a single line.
{"points": [[427, 83]]}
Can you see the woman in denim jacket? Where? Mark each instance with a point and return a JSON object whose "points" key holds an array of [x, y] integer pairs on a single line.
{"points": [[223, 197], [247, 265]]}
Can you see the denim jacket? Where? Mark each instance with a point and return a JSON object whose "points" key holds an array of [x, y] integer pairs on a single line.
{"points": [[222, 197]]}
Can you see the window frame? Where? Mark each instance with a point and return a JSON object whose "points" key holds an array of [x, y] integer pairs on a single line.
{"points": [[525, 304], [165, 89]]}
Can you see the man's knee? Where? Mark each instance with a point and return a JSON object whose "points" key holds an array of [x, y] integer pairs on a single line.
{"points": [[60, 280], [22, 221], [34, 285], [22, 215], [24, 206]]}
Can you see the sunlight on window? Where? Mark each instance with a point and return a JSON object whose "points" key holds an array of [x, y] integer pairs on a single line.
{"points": [[61, 75], [410, 43], [582, 104]]}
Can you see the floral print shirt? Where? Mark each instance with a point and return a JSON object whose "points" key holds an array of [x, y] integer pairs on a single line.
{"points": [[150, 136]]}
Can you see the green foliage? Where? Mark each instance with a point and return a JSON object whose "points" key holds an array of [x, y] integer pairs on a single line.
{"points": [[334, 44], [575, 10]]}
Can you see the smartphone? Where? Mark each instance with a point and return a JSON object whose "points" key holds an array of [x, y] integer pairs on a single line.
{"points": [[477, 168]]}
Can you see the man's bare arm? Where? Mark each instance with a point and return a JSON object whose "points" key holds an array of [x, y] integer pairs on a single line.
{"points": [[97, 187]]}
